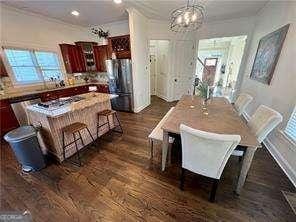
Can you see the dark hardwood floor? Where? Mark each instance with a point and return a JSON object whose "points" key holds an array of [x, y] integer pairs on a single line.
{"points": [[120, 183]]}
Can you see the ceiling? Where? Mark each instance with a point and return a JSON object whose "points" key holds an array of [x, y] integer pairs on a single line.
{"points": [[105, 11]]}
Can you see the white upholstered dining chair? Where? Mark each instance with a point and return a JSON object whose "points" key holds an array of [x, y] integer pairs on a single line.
{"points": [[262, 122], [206, 154], [242, 102], [157, 133]]}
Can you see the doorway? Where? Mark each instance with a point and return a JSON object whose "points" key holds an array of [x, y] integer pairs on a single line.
{"points": [[159, 67], [209, 70], [221, 58]]}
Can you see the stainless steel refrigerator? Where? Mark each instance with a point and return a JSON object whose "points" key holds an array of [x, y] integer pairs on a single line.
{"points": [[120, 83]]}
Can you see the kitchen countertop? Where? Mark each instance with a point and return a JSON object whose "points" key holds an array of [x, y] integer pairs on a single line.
{"points": [[90, 99], [22, 93]]}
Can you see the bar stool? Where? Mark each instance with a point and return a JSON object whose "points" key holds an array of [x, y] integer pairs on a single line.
{"points": [[107, 113], [73, 129]]}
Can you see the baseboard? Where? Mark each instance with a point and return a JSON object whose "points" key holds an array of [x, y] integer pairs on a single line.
{"points": [[284, 165], [277, 156], [139, 109], [163, 97]]}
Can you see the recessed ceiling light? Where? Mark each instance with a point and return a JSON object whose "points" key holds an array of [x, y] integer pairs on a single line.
{"points": [[75, 13], [117, 1]]}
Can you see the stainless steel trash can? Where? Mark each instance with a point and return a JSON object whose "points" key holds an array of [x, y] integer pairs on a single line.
{"points": [[25, 145]]}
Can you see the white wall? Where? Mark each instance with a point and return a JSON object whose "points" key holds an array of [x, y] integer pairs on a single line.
{"points": [[159, 30], [281, 93], [23, 29], [140, 59], [115, 28], [236, 27], [20, 28], [27, 30]]}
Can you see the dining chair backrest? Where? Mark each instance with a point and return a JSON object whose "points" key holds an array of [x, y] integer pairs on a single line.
{"points": [[263, 121], [206, 153], [242, 102]]}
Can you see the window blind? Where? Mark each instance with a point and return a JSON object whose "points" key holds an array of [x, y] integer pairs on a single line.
{"points": [[291, 126], [31, 66]]}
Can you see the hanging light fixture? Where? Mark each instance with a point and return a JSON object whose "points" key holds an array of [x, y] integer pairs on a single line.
{"points": [[187, 18]]}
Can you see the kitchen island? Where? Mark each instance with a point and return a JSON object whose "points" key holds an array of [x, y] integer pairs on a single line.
{"points": [[53, 116]]}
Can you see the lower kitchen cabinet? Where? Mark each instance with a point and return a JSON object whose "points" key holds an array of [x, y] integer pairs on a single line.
{"points": [[8, 120], [103, 88]]}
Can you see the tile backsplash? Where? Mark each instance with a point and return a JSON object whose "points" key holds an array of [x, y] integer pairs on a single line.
{"points": [[6, 85]]}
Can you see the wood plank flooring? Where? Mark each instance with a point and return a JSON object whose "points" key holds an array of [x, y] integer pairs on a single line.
{"points": [[120, 183]]}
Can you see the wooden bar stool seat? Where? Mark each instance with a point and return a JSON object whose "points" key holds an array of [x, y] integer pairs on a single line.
{"points": [[106, 114], [73, 129]]}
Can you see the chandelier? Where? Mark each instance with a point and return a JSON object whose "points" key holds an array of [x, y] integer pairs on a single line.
{"points": [[187, 18]]}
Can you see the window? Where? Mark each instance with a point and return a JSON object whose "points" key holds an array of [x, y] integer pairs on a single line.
{"points": [[30, 66], [290, 130]]}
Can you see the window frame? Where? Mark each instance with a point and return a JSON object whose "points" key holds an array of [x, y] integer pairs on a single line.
{"points": [[286, 135], [36, 65]]}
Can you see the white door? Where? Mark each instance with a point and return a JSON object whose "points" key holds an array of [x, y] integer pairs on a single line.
{"points": [[162, 62], [152, 75], [184, 68]]}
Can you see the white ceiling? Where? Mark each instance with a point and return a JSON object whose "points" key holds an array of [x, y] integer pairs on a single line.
{"points": [[105, 11], [91, 12]]}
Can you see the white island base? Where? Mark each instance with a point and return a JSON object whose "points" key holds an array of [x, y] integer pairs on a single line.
{"points": [[84, 111]]}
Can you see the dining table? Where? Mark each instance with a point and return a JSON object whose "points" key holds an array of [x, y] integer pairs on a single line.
{"points": [[216, 115]]}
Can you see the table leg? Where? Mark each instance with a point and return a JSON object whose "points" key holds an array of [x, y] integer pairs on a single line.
{"points": [[165, 145], [247, 160], [169, 155]]}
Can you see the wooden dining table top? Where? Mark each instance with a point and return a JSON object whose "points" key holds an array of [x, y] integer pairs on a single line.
{"points": [[222, 118]]}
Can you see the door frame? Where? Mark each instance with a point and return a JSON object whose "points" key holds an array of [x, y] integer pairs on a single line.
{"points": [[244, 59], [169, 74], [155, 77]]}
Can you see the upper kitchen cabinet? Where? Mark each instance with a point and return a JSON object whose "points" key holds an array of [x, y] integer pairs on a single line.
{"points": [[3, 72], [73, 58], [101, 55], [87, 49], [120, 45]]}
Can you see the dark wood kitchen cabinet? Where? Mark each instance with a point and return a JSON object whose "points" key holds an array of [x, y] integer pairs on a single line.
{"points": [[87, 50], [120, 45], [73, 58], [101, 55], [52, 95], [8, 120], [3, 72], [103, 88]]}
